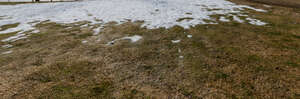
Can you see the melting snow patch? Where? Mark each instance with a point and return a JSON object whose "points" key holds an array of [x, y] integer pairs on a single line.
{"points": [[15, 38], [97, 30], [256, 22], [83, 42], [154, 13], [180, 56], [236, 18], [179, 50], [85, 25], [21, 27], [133, 39], [7, 46], [176, 41], [223, 19], [7, 52], [258, 10], [189, 36], [111, 42], [35, 31]]}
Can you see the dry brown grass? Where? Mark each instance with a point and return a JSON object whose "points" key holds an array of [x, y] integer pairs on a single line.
{"points": [[285, 3], [13, 3], [226, 60]]}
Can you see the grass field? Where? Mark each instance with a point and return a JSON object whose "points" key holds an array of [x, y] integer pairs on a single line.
{"points": [[13, 3], [226, 60], [285, 3]]}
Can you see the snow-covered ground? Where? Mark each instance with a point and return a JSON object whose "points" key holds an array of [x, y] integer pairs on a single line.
{"points": [[154, 13], [30, 0]]}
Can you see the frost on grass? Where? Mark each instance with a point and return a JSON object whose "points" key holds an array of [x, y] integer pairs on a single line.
{"points": [[154, 13]]}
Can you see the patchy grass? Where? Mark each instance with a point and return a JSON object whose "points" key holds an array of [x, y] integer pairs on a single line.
{"points": [[13, 3], [5, 27], [226, 60], [4, 36]]}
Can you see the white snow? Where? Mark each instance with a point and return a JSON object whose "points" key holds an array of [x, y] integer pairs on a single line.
{"points": [[110, 43], [180, 56], [133, 39], [179, 50], [15, 38], [85, 25], [223, 19], [7, 52], [237, 19], [84, 41], [258, 10], [97, 30], [35, 31], [30, 0], [7, 46], [154, 13], [256, 22], [175, 41], [189, 36], [21, 27]]}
